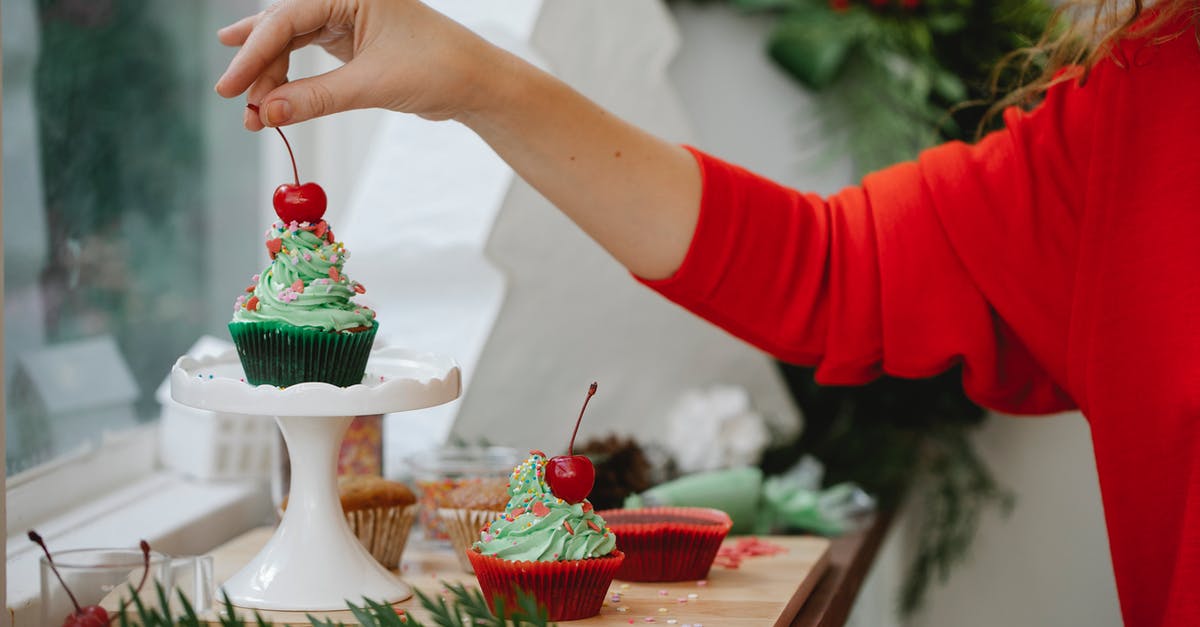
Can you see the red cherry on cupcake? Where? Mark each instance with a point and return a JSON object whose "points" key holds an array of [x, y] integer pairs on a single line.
{"points": [[296, 202], [299, 203], [572, 476]]}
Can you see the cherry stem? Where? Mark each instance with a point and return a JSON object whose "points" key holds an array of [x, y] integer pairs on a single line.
{"points": [[37, 539], [590, 394], [145, 546], [295, 172]]}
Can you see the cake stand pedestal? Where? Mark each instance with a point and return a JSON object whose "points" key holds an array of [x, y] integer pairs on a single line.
{"points": [[313, 562]]}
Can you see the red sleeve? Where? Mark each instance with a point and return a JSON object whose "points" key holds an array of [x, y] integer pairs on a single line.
{"points": [[965, 256]]}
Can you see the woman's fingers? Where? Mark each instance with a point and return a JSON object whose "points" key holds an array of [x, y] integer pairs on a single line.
{"points": [[271, 78], [268, 37], [236, 33], [398, 54], [342, 89]]}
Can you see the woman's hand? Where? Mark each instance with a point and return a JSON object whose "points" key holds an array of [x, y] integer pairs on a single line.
{"points": [[399, 55], [637, 195]]}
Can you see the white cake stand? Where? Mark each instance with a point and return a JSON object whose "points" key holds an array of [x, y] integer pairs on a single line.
{"points": [[314, 562]]}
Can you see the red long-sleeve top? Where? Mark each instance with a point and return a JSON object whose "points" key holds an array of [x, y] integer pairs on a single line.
{"points": [[1057, 260]]}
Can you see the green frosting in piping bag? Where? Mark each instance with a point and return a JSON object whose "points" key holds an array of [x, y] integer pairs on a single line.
{"points": [[304, 285], [538, 526]]}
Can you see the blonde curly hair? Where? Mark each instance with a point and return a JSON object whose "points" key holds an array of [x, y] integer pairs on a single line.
{"points": [[1080, 33]]}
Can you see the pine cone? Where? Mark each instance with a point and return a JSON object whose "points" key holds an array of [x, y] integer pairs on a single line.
{"points": [[621, 469]]}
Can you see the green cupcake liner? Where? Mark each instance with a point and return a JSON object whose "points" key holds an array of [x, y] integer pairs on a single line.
{"points": [[274, 353]]}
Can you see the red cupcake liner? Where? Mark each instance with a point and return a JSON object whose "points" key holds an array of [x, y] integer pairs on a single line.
{"points": [[569, 589], [667, 543]]}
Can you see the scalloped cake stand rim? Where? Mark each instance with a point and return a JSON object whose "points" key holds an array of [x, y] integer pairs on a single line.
{"points": [[396, 379]]}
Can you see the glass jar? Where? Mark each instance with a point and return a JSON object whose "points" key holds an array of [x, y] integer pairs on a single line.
{"points": [[435, 473]]}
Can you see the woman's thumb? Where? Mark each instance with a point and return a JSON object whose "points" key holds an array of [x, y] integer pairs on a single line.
{"points": [[296, 101]]}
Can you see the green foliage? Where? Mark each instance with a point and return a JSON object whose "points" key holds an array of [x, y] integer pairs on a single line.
{"points": [[902, 439], [110, 100], [891, 80], [467, 606], [960, 488], [119, 101]]}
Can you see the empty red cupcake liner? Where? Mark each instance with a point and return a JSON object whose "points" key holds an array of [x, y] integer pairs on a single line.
{"points": [[569, 590], [671, 549]]}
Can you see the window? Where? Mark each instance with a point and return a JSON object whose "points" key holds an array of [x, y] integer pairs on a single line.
{"points": [[128, 184], [120, 195]]}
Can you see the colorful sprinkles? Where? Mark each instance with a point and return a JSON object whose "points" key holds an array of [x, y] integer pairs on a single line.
{"points": [[661, 613], [530, 502], [731, 556], [303, 255]]}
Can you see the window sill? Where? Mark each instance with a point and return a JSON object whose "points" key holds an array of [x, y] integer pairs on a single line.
{"points": [[174, 514]]}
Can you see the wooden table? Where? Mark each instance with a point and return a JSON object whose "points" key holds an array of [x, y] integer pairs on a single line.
{"points": [[764, 590], [850, 559]]}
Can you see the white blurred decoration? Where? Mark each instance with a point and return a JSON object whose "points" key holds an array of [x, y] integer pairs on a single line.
{"points": [[715, 427], [213, 445], [63, 393]]}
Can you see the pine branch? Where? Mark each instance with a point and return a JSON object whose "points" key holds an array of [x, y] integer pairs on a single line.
{"points": [[363, 615], [532, 612], [189, 618], [468, 604], [163, 602], [147, 616], [390, 616], [442, 615], [472, 604], [230, 617]]}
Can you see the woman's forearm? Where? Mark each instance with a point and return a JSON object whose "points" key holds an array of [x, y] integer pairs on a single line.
{"points": [[637, 195]]}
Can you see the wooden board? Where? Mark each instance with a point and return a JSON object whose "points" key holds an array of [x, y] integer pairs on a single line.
{"points": [[764, 590]]}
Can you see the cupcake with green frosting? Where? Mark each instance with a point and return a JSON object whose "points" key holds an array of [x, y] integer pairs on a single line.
{"points": [[562, 553], [298, 321]]}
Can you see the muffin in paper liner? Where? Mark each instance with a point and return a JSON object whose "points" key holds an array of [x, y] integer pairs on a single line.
{"points": [[569, 589], [440, 476], [667, 543], [383, 530], [276, 353], [463, 526]]}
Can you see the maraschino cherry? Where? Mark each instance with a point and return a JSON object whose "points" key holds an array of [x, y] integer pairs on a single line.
{"points": [[91, 615], [295, 202], [571, 476]]}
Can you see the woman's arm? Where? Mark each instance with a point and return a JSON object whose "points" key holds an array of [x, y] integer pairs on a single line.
{"points": [[635, 194], [887, 277]]}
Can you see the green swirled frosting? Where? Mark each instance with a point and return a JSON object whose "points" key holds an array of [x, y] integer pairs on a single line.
{"points": [[538, 526], [304, 285]]}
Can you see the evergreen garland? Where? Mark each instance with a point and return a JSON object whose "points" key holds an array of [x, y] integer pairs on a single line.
{"points": [[466, 607], [892, 77]]}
